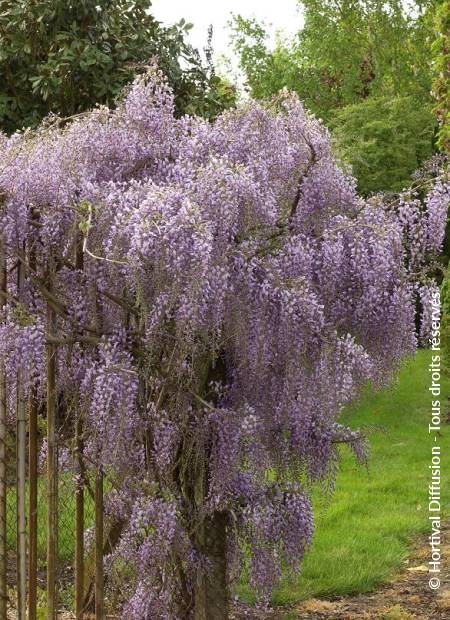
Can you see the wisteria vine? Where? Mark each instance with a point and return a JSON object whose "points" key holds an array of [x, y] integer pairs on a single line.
{"points": [[219, 293]]}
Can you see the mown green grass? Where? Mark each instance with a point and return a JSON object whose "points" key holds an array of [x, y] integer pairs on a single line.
{"points": [[365, 533]]}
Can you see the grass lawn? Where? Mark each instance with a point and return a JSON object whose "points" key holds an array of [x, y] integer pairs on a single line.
{"points": [[364, 534]]}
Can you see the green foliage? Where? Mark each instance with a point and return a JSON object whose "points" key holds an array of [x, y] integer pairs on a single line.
{"points": [[441, 84], [385, 140], [64, 56], [361, 48], [364, 66], [347, 50], [264, 76]]}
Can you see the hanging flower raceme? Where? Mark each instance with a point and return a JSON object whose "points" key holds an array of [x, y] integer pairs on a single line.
{"points": [[216, 294]]}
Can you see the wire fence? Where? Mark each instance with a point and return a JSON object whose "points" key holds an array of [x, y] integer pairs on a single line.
{"points": [[68, 537], [54, 533]]}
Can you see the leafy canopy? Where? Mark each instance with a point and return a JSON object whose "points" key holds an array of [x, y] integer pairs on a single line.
{"points": [[362, 66], [66, 56], [346, 51], [384, 139], [441, 84]]}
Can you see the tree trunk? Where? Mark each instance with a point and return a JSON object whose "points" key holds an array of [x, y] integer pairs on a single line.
{"points": [[212, 593]]}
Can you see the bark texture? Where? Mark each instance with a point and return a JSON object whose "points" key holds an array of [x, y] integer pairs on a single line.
{"points": [[212, 593]]}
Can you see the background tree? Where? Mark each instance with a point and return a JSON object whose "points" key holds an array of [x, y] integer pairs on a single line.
{"points": [[354, 53], [66, 56], [441, 84], [384, 139], [346, 51]]}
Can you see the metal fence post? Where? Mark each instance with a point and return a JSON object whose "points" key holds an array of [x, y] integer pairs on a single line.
{"points": [[52, 472], [79, 501], [79, 522], [21, 484], [33, 498], [33, 490], [21, 501], [3, 487], [99, 584]]}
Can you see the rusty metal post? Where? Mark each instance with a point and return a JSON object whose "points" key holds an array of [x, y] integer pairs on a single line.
{"points": [[33, 493], [99, 524], [3, 487], [33, 513], [52, 471], [79, 522], [79, 497], [99, 527], [21, 501], [21, 485]]}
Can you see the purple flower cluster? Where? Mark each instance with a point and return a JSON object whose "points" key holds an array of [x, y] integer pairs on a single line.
{"points": [[219, 294]]}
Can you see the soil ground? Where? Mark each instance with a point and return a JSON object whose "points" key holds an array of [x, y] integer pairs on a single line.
{"points": [[408, 597]]}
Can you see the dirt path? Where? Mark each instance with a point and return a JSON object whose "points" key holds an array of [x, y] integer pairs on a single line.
{"points": [[409, 597]]}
